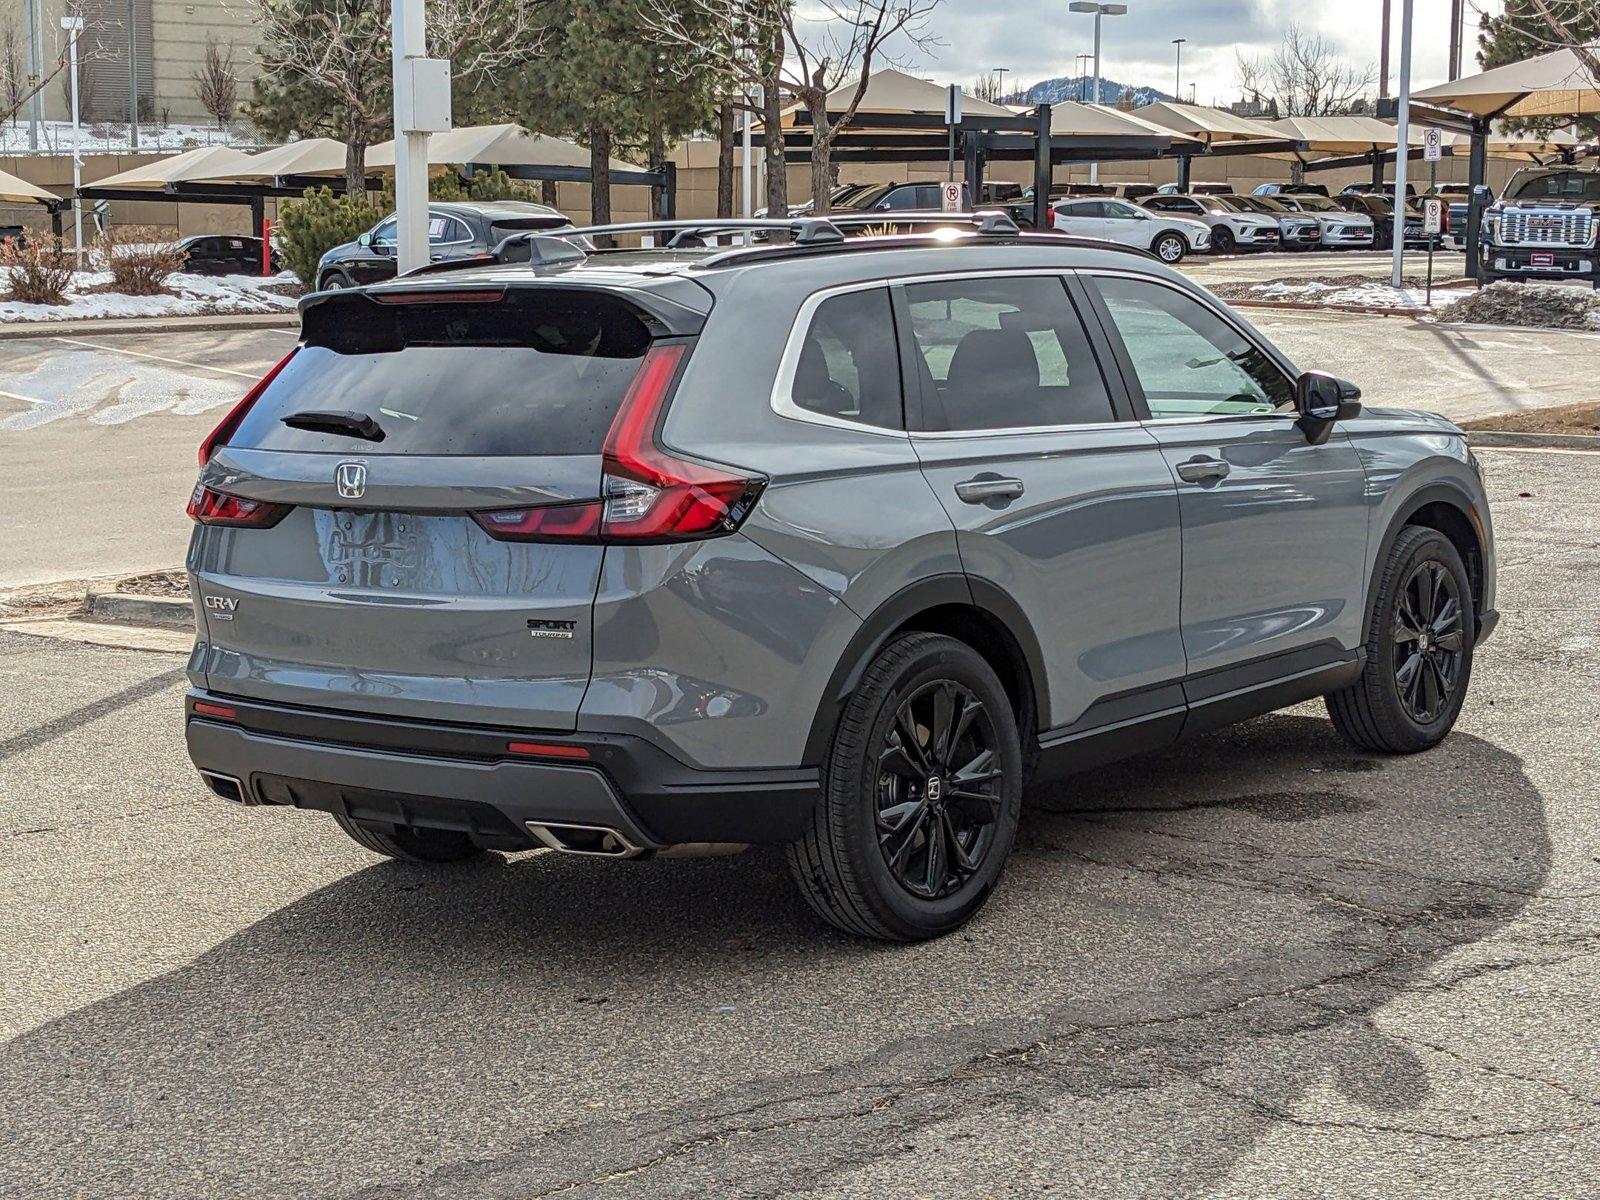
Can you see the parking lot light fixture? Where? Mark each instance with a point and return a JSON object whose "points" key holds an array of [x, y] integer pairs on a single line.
{"points": [[1099, 10]]}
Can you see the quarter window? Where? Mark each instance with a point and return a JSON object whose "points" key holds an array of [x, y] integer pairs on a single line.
{"points": [[1188, 360], [1003, 353], [849, 367]]}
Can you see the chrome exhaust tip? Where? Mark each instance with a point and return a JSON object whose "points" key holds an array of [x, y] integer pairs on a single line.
{"points": [[226, 786], [595, 841]]}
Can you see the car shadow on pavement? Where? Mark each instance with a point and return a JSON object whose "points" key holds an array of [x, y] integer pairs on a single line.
{"points": [[1206, 936]]}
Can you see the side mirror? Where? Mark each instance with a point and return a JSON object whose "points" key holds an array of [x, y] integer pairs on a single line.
{"points": [[1321, 400], [365, 239]]}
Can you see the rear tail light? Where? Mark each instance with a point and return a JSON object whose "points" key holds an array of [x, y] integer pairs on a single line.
{"points": [[224, 430], [217, 508], [650, 494]]}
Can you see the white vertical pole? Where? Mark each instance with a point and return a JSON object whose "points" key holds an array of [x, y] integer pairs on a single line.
{"points": [[747, 166], [35, 69], [1094, 167], [1402, 142], [410, 149], [73, 26]]}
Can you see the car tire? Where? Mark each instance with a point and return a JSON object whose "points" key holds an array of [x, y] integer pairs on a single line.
{"points": [[1169, 248], [334, 281], [889, 855], [1222, 240], [408, 843], [1412, 687]]}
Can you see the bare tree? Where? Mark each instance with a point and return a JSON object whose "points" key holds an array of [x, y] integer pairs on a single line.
{"points": [[987, 87], [13, 80], [343, 47], [807, 55], [216, 83], [1304, 76]]}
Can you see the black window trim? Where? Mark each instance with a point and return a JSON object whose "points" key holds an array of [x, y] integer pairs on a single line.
{"points": [[783, 402], [1122, 409], [1124, 361]]}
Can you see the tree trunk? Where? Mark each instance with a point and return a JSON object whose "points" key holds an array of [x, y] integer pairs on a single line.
{"points": [[355, 158], [547, 192], [725, 128], [658, 157], [821, 167], [599, 175], [772, 128]]}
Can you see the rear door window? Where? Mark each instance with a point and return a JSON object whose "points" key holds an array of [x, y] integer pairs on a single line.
{"points": [[528, 375], [1003, 353]]}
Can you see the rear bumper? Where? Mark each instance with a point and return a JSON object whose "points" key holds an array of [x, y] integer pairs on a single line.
{"points": [[443, 776]]}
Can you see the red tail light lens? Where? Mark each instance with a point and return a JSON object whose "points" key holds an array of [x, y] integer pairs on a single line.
{"points": [[651, 495], [224, 430], [551, 523], [216, 508]]}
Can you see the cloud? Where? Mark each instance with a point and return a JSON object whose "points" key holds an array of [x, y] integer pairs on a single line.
{"points": [[1037, 41]]}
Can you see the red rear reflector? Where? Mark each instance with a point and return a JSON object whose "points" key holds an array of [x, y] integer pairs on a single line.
{"points": [[551, 523], [475, 296], [206, 709], [216, 508], [546, 750], [224, 430]]}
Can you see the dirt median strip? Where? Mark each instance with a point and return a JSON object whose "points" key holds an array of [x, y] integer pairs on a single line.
{"points": [[11, 330]]}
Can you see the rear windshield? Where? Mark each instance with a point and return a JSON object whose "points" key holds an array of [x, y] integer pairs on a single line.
{"points": [[522, 376]]}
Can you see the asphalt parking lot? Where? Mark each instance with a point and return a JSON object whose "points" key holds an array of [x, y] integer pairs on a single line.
{"points": [[121, 413], [1262, 965]]}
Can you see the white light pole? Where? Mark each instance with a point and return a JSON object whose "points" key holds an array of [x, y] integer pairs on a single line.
{"points": [[1402, 142], [1001, 72], [73, 27], [1099, 10], [421, 107], [35, 67], [1177, 71], [747, 166]]}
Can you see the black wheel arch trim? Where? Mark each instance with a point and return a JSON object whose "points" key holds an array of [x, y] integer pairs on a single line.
{"points": [[1438, 492], [936, 591]]}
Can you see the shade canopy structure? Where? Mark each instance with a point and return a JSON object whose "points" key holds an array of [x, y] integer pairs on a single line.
{"points": [[891, 94], [1502, 143], [203, 163], [1557, 84], [307, 157], [1344, 135], [14, 190], [1212, 126], [506, 145]]}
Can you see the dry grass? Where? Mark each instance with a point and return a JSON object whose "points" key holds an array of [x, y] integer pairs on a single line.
{"points": [[1569, 418], [139, 258], [1535, 305]]}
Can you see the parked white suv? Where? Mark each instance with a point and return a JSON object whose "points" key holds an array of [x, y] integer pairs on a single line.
{"points": [[1230, 228], [1340, 229], [1168, 238]]}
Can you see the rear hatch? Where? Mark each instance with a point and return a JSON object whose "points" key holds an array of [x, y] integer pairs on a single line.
{"points": [[405, 517]]}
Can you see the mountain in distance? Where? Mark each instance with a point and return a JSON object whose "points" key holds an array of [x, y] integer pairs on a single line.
{"points": [[1074, 87]]}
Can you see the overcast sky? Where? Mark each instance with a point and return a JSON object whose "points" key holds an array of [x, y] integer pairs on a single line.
{"points": [[1039, 39]]}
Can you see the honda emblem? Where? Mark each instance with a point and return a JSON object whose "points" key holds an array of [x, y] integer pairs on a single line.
{"points": [[351, 480]]}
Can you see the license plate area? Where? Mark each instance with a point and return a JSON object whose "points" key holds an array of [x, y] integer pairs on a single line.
{"points": [[1545, 259]]}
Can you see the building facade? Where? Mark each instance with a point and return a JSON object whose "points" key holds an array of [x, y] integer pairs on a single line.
{"points": [[168, 39]]}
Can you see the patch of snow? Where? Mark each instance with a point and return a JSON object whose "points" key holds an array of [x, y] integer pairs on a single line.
{"points": [[55, 137], [1365, 293], [192, 295]]}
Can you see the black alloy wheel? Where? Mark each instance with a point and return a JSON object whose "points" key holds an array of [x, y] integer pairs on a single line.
{"points": [[939, 789], [1222, 240], [1429, 642]]}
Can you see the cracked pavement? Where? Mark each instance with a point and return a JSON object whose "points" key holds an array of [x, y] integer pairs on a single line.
{"points": [[1260, 964]]}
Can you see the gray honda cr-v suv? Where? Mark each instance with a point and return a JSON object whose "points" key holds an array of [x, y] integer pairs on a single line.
{"points": [[833, 543]]}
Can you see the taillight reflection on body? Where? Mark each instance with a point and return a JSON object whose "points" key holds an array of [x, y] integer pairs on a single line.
{"points": [[650, 494], [217, 508]]}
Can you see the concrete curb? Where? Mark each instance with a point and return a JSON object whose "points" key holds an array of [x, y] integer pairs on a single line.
{"points": [[1301, 306], [1493, 438], [200, 324], [124, 608]]}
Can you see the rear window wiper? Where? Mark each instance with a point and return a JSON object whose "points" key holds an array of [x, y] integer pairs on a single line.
{"points": [[351, 424]]}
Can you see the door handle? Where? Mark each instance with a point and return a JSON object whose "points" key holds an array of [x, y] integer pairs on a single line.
{"points": [[1203, 470], [989, 487]]}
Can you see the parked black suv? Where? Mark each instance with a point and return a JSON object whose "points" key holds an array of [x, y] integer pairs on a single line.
{"points": [[922, 196], [463, 232], [223, 254]]}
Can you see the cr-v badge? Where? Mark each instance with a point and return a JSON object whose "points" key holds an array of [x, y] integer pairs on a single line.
{"points": [[351, 479], [221, 607]]}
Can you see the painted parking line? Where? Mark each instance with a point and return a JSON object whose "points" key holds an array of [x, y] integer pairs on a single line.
{"points": [[175, 362], [19, 397]]}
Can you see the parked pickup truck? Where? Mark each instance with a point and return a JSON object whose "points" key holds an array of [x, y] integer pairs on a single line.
{"points": [[1544, 226]]}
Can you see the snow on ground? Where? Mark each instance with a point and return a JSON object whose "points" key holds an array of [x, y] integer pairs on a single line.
{"points": [[193, 295], [1365, 293], [55, 137]]}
